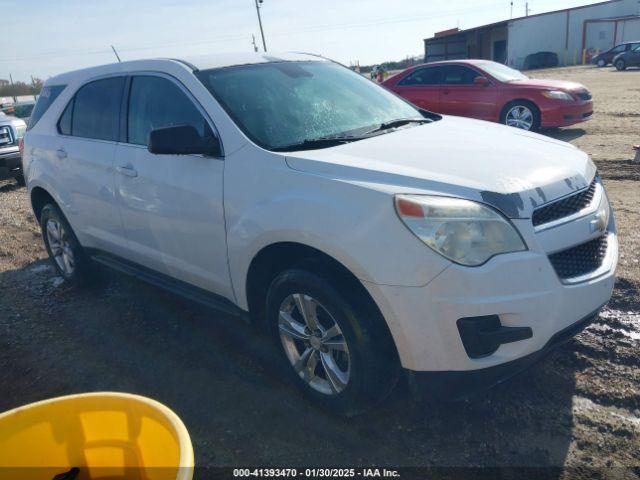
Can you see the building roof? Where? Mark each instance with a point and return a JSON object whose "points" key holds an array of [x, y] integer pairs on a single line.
{"points": [[495, 24]]}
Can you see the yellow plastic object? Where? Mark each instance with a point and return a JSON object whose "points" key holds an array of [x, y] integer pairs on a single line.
{"points": [[105, 435]]}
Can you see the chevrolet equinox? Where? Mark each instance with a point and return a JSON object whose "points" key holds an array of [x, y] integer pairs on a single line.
{"points": [[369, 237]]}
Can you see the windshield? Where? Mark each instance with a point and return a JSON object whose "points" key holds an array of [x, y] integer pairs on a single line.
{"points": [[286, 103], [502, 72]]}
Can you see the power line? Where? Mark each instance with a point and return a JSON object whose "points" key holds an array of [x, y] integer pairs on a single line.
{"points": [[227, 38]]}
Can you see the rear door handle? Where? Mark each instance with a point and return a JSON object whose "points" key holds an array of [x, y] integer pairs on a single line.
{"points": [[61, 153], [127, 170]]}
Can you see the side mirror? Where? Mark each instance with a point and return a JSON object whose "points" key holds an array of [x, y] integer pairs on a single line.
{"points": [[481, 81], [182, 140]]}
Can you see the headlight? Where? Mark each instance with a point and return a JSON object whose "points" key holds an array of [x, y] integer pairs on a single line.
{"points": [[465, 232], [558, 95]]}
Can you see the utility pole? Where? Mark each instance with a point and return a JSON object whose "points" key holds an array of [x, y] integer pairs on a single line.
{"points": [[526, 9], [258, 3], [511, 16], [253, 42], [116, 53]]}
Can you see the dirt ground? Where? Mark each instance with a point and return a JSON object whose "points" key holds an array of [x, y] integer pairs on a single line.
{"points": [[580, 407]]}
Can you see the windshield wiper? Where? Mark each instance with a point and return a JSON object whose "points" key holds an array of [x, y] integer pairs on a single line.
{"points": [[316, 143], [399, 122]]}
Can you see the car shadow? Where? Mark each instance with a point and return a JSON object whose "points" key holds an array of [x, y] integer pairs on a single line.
{"points": [[224, 379], [564, 134], [9, 187]]}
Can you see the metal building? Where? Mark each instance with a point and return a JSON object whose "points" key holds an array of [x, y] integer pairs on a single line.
{"points": [[574, 34]]}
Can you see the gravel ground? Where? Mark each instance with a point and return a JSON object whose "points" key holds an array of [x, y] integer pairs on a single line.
{"points": [[580, 407]]}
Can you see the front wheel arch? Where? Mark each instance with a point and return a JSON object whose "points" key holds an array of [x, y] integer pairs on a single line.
{"points": [[537, 114]]}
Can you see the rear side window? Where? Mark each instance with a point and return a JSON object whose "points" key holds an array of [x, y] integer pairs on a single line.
{"points": [[46, 98], [156, 102], [94, 112], [422, 76]]}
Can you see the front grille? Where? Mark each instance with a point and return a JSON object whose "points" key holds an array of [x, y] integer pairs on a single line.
{"points": [[584, 95], [5, 136], [565, 207], [580, 260]]}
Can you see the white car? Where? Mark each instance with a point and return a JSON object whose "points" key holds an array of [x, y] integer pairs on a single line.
{"points": [[370, 238]]}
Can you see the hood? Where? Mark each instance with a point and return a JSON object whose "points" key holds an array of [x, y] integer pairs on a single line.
{"points": [[513, 170], [542, 83]]}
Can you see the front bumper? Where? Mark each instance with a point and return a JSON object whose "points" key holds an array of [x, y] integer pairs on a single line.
{"points": [[511, 309], [10, 162], [457, 385], [566, 115]]}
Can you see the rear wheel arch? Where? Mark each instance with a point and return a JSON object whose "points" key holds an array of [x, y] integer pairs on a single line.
{"points": [[273, 259], [39, 199]]}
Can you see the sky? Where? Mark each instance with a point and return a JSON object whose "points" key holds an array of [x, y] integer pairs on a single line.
{"points": [[47, 37]]}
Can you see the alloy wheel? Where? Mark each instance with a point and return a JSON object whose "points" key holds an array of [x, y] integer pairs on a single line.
{"points": [[60, 246], [314, 344], [520, 116]]}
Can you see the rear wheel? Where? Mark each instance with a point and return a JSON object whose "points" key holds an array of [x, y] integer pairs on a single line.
{"points": [[521, 114], [20, 180], [621, 65], [332, 349], [65, 252]]}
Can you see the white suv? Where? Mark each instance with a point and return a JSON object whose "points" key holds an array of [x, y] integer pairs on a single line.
{"points": [[369, 237]]}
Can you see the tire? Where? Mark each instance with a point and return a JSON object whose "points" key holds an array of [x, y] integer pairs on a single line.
{"points": [[534, 111], [65, 252], [621, 65], [601, 63], [370, 358], [20, 180]]}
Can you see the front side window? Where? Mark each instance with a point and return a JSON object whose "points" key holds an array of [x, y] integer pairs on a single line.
{"points": [[619, 48], [422, 76], [96, 110], [278, 104], [156, 102], [46, 98], [458, 75]]}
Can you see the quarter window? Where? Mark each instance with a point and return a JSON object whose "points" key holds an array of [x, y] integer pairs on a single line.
{"points": [[422, 76], [156, 102], [95, 110], [46, 98]]}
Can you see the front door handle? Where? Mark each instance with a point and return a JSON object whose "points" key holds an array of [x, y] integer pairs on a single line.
{"points": [[61, 153], [127, 170]]}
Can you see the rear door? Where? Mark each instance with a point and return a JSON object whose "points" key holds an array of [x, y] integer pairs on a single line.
{"points": [[88, 132], [171, 205], [421, 87], [460, 96]]}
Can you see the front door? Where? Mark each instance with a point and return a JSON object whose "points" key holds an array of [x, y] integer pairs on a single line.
{"points": [[171, 205], [459, 95]]}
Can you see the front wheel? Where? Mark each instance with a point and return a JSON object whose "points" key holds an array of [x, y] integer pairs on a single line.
{"points": [[332, 349], [601, 63], [521, 114], [621, 65]]}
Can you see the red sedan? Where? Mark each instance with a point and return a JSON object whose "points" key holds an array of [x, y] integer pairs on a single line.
{"points": [[491, 91]]}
